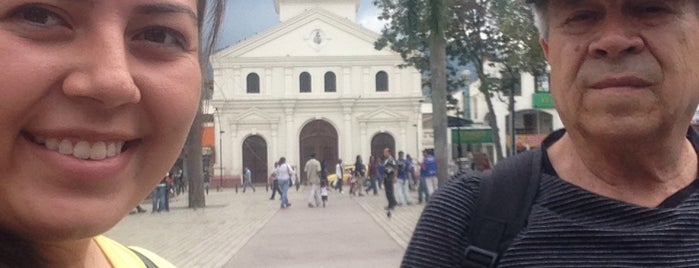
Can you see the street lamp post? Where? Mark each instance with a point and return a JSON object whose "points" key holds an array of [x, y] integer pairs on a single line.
{"points": [[513, 146], [417, 141], [220, 150]]}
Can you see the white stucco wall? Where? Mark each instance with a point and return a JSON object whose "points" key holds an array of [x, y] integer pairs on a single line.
{"points": [[279, 112]]}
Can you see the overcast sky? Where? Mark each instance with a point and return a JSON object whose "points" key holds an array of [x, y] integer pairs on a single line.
{"points": [[245, 18]]}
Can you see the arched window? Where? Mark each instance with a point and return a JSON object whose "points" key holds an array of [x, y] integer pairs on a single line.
{"points": [[253, 83], [381, 81], [330, 85], [305, 82]]}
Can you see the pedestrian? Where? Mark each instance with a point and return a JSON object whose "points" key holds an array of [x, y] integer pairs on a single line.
{"points": [[428, 171], [350, 181], [178, 175], [274, 182], [402, 185], [207, 180], [422, 193], [97, 100], [169, 184], [374, 174], [312, 169], [324, 192], [247, 180], [389, 173], [323, 171], [618, 186], [359, 174], [160, 196], [284, 174], [297, 181], [412, 179], [339, 175]]}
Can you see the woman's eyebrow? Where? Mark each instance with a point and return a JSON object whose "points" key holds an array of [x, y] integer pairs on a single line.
{"points": [[161, 8]]}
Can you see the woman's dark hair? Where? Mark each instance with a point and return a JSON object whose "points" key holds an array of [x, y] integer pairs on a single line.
{"points": [[282, 160], [209, 16], [16, 251]]}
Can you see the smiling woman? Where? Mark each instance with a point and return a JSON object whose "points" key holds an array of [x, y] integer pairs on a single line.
{"points": [[91, 132]]}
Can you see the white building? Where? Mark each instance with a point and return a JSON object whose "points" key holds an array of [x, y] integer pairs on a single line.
{"points": [[535, 114], [312, 84]]}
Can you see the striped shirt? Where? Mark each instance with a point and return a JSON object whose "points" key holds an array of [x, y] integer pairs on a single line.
{"points": [[567, 227]]}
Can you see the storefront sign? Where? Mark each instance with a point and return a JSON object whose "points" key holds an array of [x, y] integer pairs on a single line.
{"points": [[470, 136]]}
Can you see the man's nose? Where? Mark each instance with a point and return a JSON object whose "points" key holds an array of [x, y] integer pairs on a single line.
{"points": [[617, 38], [102, 73]]}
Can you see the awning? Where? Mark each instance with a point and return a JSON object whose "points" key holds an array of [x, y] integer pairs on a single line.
{"points": [[453, 121]]}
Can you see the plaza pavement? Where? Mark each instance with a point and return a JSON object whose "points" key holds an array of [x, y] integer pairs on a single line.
{"points": [[249, 230]]}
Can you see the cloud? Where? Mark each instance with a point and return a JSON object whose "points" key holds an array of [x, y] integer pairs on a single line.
{"points": [[370, 19]]}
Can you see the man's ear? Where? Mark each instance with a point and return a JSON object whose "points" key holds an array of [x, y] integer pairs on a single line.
{"points": [[545, 47]]}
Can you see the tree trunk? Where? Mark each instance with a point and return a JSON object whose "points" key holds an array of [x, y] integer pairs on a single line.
{"points": [[438, 67], [493, 122], [194, 165]]}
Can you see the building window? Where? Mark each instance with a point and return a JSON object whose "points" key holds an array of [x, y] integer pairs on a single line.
{"points": [[330, 85], [253, 83], [305, 82], [541, 83], [381, 81]]}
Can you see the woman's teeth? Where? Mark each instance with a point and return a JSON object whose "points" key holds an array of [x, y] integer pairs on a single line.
{"points": [[82, 149]]}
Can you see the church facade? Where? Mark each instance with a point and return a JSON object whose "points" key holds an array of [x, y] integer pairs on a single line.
{"points": [[311, 84]]}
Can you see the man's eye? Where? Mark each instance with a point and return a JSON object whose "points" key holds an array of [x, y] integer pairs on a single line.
{"points": [[162, 36], [651, 10], [581, 17], [40, 16]]}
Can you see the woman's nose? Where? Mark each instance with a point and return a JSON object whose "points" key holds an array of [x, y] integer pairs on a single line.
{"points": [[102, 73]]}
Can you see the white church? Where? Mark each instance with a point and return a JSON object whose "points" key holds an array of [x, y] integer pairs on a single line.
{"points": [[311, 84]]}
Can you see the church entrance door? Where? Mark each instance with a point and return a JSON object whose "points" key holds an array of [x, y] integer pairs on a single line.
{"points": [[255, 158], [317, 137]]}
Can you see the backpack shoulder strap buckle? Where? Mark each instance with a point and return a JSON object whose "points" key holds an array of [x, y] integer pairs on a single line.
{"points": [[480, 258]]}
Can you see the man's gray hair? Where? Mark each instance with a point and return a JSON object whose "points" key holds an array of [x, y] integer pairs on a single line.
{"points": [[541, 20]]}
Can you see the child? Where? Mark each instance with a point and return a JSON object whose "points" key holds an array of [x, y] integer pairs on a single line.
{"points": [[324, 191], [350, 181]]}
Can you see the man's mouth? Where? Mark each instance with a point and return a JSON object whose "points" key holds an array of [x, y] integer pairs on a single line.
{"points": [[621, 81], [81, 149]]}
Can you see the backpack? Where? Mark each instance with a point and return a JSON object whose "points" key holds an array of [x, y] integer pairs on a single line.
{"points": [[506, 197]]}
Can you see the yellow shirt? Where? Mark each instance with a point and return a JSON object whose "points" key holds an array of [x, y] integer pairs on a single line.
{"points": [[122, 257]]}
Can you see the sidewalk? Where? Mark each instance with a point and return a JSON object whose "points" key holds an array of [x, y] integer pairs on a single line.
{"points": [[249, 230]]}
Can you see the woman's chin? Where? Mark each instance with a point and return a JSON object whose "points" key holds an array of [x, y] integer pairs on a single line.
{"points": [[79, 222]]}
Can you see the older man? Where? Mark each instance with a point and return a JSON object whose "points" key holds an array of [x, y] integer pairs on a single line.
{"points": [[312, 169], [617, 187]]}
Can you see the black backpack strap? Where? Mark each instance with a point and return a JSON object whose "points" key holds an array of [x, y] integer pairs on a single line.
{"points": [[504, 204], [146, 260]]}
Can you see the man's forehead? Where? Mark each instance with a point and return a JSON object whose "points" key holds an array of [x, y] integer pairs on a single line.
{"points": [[571, 1]]}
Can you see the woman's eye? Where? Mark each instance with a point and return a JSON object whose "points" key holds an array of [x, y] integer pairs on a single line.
{"points": [[162, 36], [40, 16]]}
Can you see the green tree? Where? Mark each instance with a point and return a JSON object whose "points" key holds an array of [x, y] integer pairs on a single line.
{"points": [[478, 32], [501, 33], [418, 32]]}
